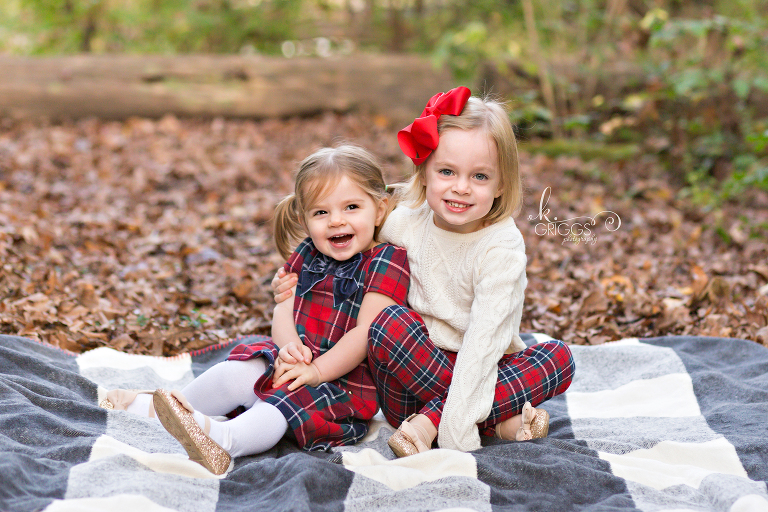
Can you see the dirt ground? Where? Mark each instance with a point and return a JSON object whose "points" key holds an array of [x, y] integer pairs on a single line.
{"points": [[154, 237]]}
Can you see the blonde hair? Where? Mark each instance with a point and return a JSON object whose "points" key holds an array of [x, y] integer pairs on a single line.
{"points": [[491, 116], [314, 177]]}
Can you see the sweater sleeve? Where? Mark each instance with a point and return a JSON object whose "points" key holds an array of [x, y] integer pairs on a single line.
{"points": [[494, 318]]}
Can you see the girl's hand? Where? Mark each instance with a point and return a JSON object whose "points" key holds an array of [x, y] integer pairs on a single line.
{"points": [[282, 284], [280, 368], [293, 353], [301, 374], [288, 357]]}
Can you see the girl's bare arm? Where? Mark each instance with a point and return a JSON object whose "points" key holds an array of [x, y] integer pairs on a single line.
{"points": [[283, 327], [346, 354]]}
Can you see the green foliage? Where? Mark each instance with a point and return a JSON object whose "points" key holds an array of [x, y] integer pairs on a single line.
{"points": [[709, 70], [146, 26], [480, 36], [585, 149], [198, 321], [463, 51], [529, 116]]}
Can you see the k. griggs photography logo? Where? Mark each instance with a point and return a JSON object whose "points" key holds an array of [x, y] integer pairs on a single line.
{"points": [[575, 230]]}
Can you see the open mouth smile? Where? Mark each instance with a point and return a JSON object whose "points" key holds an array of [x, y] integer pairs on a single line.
{"points": [[341, 241]]}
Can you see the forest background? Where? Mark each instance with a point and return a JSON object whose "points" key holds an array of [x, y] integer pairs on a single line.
{"points": [[647, 117]]}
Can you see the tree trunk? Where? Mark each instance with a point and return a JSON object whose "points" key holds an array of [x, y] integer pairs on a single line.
{"points": [[544, 80], [396, 28]]}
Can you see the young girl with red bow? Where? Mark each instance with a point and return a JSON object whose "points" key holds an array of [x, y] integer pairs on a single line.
{"points": [[453, 366], [311, 379]]}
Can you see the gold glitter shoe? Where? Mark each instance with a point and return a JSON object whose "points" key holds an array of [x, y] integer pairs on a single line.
{"points": [[540, 424], [120, 399], [535, 424], [180, 423], [406, 441]]}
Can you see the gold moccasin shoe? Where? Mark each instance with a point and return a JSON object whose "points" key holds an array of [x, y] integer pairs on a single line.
{"points": [[181, 424], [406, 441], [120, 399], [535, 423]]}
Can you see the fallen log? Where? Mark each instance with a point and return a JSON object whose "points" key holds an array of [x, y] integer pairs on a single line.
{"points": [[120, 86]]}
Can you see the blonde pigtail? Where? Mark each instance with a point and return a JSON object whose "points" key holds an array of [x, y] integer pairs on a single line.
{"points": [[288, 226]]}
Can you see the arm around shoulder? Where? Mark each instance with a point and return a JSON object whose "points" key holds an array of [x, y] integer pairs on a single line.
{"points": [[283, 326]]}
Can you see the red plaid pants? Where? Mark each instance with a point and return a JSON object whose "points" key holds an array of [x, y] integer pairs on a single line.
{"points": [[413, 376]]}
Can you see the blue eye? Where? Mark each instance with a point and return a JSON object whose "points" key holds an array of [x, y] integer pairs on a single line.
{"points": [[445, 172], [482, 177]]}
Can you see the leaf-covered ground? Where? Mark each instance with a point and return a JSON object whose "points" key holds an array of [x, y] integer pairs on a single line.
{"points": [[154, 237]]}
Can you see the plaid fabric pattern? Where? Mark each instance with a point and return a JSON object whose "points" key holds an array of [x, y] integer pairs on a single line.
{"points": [[334, 413], [413, 376]]}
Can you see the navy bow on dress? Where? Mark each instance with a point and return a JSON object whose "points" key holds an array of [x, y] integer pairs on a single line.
{"points": [[344, 283]]}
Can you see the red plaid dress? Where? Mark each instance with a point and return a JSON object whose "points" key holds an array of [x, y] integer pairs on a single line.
{"points": [[333, 413]]}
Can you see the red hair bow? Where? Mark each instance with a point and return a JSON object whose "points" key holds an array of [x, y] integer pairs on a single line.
{"points": [[420, 138]]}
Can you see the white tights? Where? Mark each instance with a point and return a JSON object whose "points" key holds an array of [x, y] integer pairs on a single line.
{"points": [[223, 388]]}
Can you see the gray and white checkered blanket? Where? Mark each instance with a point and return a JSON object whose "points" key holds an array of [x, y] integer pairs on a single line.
{"points": [[671, 423]]}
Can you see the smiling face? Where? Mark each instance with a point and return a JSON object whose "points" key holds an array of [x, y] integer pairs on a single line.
{"points": [[342, 221], [462, 179]]}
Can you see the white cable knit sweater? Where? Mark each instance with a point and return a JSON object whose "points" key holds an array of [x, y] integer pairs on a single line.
{"points": [[469, 289]]}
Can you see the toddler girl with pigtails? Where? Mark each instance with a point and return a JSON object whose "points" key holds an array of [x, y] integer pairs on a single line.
{"points": [[451, 365], [311, 379]]}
